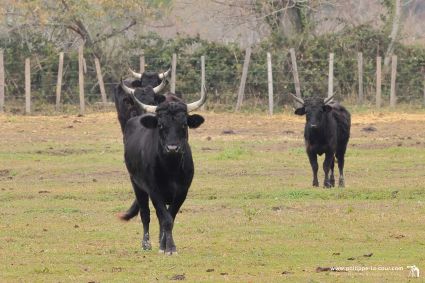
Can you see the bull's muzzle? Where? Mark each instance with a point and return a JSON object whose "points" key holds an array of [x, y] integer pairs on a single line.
{"points": [[172, 148]]}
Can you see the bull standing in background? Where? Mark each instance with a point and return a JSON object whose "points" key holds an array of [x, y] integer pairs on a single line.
{"points": [[327, 130], [159, 161], [148, 87]]}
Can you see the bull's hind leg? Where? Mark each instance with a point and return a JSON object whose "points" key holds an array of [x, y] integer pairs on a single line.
{"points": [[143, 202], [340, 157], [326, 167], [314, 166]]}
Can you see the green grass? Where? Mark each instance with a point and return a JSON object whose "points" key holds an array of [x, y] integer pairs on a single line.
{"points": [[250, 216]]}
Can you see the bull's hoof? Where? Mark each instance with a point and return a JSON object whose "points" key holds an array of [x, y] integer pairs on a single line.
{"points": [[172, 251], [146, 245], [315, 183], [161, 251], [341, 183], [327, 185], [332, 181]]}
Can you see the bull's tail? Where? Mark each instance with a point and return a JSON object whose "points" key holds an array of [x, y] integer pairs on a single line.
{"points": [[130, 213]]}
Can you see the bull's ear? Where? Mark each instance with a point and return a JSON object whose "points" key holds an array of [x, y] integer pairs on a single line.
{"points": [[159, 98], [300, 111], [195, 120], [327, 108], [149, 121]]}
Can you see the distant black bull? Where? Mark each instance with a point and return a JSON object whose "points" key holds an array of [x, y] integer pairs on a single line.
{"points": [[327, 130], [159, 161], [148, 85]]}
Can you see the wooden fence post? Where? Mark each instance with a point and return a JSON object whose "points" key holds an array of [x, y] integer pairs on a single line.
{"points": [[393, 95], [142, 62], [81, 78], [59, 81], [424, 89], [1, 82], [173, 73], [378, 81], [360, 73], [295, 73], [203, 83], [241, 91], [270, 82], [100, 79], [331, 75], [27, 86]]}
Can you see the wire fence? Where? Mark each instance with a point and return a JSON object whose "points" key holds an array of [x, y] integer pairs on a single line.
{"points": [[223, 79]]}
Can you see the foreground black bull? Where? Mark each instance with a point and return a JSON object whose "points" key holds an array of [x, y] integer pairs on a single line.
{"points": [[327, 130], [147, 86], [159, 161]]}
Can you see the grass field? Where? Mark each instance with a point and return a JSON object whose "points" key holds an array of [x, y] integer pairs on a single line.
{"points": [[251, 214]]}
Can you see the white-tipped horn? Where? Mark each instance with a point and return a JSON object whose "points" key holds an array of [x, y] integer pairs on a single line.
{"points": [[146, 107], [127, 89], [160, 87], [165, 74], [300, 100], [195, 105], [136, 75], [329, 99], [130, 91]]}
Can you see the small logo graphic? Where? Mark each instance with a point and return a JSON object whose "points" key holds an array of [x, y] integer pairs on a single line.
{"points": [[414, 271]]}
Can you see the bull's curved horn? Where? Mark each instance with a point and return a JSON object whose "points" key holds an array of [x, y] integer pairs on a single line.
{"points": [[146, 107], [127, 89], [165, 74], [329, 99], [300, 100], [160, 87], [195, 105], [136, 75], [130, 91]]}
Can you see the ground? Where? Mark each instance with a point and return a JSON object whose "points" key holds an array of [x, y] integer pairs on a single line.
{"points": [[251, 214]]}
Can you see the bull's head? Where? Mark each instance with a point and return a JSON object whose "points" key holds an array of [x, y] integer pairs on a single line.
{"points": [[172, 121], [314, 109], [131, 91], [160, 75]]}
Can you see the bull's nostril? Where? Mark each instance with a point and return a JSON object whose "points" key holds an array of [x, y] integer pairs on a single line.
{"points": [[172, 148]]}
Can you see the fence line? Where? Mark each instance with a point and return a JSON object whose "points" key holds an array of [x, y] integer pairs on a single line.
{"points": [[252, 81]]}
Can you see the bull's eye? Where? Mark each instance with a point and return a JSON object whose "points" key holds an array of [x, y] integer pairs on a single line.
{"points": [[161, 126]]}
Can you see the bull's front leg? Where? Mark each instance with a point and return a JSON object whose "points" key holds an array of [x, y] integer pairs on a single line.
{"points": [[314, 166], [329, 157], [166, 223], [332, 176]]}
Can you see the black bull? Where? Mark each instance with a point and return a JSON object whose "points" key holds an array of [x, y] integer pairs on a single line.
{"points": [[147, 85], [160, 164], [327, 130]]}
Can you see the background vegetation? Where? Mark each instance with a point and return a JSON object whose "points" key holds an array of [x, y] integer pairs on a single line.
{"points": [[115, 34]]}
